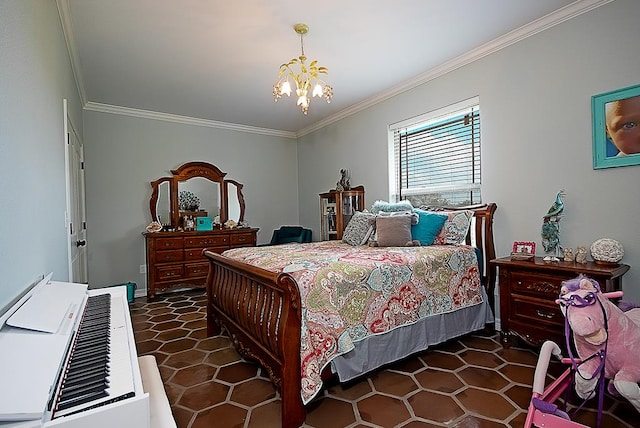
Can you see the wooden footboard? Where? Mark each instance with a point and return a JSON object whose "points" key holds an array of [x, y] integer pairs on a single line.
{"points": [[262, 314]]}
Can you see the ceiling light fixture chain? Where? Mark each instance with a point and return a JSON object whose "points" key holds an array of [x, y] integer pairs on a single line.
{"points": [[305, 78]]}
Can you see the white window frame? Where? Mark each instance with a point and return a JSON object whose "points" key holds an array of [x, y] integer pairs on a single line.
{"points": [[420, 122]]}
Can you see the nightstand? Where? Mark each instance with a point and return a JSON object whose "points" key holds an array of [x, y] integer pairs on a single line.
{"points": [[528, 290]]}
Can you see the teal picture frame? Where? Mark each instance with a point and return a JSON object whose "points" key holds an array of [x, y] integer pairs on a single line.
{"points": [[625, 119]]}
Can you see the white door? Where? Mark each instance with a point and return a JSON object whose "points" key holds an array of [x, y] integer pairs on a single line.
{"points": [[76, 218]]}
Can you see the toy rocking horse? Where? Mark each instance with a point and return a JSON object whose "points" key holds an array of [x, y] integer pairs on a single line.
{"points": [[606, 338]]}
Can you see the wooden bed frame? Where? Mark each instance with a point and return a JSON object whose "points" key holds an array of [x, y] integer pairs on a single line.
{"points": [[261, 310]]}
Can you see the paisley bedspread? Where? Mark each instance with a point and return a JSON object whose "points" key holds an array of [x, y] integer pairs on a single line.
{"points": [[349, 293]]}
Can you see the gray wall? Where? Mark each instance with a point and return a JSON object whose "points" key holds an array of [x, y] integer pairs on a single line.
{"points": [[123, 154], [536, 134], [35, 76], [536, 127]]}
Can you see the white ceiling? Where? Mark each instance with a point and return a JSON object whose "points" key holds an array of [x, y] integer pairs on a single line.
{"points": [[217, 60]]}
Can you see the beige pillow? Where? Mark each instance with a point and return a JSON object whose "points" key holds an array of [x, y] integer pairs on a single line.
{"points": [[393, 231]]}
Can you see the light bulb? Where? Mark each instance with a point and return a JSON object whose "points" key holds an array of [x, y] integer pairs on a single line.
{"points": [[286, 88], [317, 90]]}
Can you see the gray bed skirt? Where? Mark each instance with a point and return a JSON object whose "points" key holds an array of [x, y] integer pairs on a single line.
{"points": [[397, 344]]}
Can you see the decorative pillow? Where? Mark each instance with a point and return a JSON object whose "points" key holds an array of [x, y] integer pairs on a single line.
{"points": [[408, 213], [393, 231], [455, 228], [428, 226], [380, 206], [359, 229]]}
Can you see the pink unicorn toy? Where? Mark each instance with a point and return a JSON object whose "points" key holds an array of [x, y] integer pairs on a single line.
{"points": [[603, 335]]}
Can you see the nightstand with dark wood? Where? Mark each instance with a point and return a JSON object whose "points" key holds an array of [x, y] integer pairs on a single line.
{"points": [[528, 290]]}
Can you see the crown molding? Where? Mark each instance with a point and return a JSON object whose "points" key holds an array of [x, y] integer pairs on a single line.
{"points": [[557, 17], [148, 114], [67, 29]]}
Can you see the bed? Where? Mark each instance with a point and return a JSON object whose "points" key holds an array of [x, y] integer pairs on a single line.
{"points": [[308, 311]]}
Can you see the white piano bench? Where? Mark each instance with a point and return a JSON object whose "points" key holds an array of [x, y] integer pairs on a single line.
{"points": [[159, 407]]}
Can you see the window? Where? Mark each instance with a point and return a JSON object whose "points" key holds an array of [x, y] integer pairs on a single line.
{"points": [[435, 158]]}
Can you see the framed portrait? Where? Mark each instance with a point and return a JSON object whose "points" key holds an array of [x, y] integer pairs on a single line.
{"points": [[527, 247], [616, 128]]}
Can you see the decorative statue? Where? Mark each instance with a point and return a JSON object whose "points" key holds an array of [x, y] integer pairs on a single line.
{"points": [[344, 184], [551, 228], [568, 254], [581, 254], [603, 331]]}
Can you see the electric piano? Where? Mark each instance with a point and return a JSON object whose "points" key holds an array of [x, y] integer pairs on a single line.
{"points": [[68, 359]]}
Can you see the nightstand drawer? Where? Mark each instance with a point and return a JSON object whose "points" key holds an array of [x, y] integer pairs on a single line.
{"points": [[535, 311], [542, 285]]}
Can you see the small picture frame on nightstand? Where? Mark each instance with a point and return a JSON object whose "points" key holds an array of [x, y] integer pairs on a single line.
{"points": [[523, 250]]}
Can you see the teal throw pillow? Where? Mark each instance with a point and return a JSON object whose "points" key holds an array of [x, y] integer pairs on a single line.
{"points": [[428, 226]]}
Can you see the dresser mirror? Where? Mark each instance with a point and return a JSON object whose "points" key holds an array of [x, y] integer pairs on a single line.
{"points": [[236, 201], [196, 189], [207, 196], [160, 204]]}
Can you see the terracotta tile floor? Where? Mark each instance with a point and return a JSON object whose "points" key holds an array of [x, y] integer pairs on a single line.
{"points": [[468, 382]]}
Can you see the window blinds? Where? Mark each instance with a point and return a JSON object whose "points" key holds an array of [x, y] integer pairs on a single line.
{"points": [[437, 161]]}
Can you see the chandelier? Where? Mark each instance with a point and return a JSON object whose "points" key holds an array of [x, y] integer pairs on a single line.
{"points": [[306, 78]]}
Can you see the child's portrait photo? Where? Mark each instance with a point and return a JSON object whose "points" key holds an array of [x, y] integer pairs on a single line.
{"points": [[616, 128]]}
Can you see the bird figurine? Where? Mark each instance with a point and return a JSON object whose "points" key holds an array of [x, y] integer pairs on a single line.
{"points": [[551, 228], [557, 207]]}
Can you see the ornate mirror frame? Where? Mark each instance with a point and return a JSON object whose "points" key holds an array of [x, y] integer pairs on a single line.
{"points": [[192, 170], [155, 195], [239, 195]]}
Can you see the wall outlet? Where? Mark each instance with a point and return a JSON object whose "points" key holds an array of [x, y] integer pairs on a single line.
{"points": [[143, 268]]}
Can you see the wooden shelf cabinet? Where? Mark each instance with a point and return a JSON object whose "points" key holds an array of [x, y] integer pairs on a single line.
{"points": [[175, 259], [336, 209], [528, 290]]}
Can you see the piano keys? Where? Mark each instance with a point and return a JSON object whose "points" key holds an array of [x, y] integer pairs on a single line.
{"points": [[72, 362]]}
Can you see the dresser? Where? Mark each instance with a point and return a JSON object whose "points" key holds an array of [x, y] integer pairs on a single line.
{"points": [[174, 259], [174, 255], [528, 290]]}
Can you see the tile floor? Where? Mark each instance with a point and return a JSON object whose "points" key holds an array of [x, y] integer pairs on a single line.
{"points": [[469, 382]]}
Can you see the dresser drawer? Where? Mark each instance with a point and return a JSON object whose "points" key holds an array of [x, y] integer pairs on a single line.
{"points": [[168, 243], [193, 254], [541, 285], [169, 272], [242, 239], [536, 311], [169, 256], [206, 241], [196, 269]]}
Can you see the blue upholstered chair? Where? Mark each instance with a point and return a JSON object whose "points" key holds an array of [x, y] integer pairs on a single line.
{"points": [[288, 234]]}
